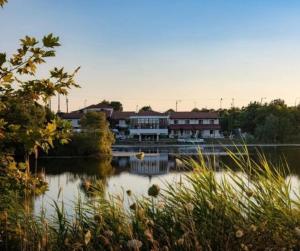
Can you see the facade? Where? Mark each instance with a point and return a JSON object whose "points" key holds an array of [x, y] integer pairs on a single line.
{"points": [[194, 125], [151, 125], [148, 125]]}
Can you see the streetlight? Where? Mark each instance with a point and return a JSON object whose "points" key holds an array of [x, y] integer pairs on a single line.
{"points": [[177, 102], [221, 101]]}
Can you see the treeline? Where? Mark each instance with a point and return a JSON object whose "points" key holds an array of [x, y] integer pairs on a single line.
{"points": [[273, 122]]}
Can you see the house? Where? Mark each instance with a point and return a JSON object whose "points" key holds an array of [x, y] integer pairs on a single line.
{"points": [[148, 125], [75, 116], [194, 125], [101, 107], [120, 121]]}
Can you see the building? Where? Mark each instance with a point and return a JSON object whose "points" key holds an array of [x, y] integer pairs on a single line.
{"points": [[194, 125], [120, 121], [75, 116], [148, 125], [151, 125]]}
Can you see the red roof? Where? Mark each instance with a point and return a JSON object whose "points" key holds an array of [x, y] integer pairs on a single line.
{"points": [[149, 113], [72, 115], [195, 127], [194, 115], [122, 115]]}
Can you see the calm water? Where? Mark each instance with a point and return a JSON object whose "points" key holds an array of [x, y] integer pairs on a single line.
{"points": [[125, 171]]}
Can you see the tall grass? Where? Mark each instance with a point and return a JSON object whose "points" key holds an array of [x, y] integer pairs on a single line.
{"points": [[251, 208]]}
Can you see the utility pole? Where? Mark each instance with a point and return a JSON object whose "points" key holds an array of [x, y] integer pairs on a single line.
{"points": [[58, 103], [221, 101], [232, 102], [177, 102], [67, 104]]}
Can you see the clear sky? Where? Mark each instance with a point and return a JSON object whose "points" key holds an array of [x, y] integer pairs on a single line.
{"points": [[154, 52]]}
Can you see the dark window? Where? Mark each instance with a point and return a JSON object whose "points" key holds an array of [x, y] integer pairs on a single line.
{"points": [[187, 122], [175, 121]]}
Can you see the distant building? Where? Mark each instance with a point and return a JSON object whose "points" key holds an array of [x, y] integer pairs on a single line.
{"points": [[151, 125], [194, 125], [148, 125], [75, 116]]}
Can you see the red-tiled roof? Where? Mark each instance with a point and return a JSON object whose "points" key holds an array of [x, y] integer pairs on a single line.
{"points": [[72, 115], [150, 113], [122, 115], [194, 115], [195, 127]]}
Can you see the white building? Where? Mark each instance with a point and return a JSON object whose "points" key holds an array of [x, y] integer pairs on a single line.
{"points": [[148, 125], [194, 125]]}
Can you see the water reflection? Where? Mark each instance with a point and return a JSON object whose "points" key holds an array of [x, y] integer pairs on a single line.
{"points": [[128, 172]]}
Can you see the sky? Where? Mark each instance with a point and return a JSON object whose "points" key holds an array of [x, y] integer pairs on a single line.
{"points": [[154, 52]]}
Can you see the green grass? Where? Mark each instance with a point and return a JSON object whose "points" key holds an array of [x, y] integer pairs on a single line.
{"points": [[252, 208]]}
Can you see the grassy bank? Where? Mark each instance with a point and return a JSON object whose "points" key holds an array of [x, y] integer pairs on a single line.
{"points": [[253, 208]]}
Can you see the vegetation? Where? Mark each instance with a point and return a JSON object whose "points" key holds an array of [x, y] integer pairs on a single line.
{"points": [[269, 123], [253, 208], [146, 109], [95, 139]]}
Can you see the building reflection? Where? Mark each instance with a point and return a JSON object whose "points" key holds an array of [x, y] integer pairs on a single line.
{"points": [[150, 165]]}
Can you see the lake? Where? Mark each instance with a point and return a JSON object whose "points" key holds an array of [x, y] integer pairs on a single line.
{"points": [[124, 171]]}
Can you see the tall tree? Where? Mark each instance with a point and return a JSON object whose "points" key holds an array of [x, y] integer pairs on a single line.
{"points": [[116, 105], [24, 97], [146, 108]]}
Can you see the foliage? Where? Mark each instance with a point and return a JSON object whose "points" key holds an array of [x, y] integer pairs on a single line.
{"points": [[2, 2], [23, 97], [116, 105], [146, 109], [95, 138], [270, 123], [252, 208]]}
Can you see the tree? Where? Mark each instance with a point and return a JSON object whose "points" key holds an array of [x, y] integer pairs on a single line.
{"points": [[116, 105], [196, 109], [97, 135], [146, 109], [24, 98], [170, 110]]}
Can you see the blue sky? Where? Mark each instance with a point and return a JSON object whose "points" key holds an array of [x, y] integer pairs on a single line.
{"points": [[153, 52]]}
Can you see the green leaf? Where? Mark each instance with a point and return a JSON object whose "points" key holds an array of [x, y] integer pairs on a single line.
{"points": [[2, 58], [28, 41], [50, 41], [2, 2], [49, 54]]}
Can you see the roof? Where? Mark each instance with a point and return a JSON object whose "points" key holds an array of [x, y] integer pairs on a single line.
{"points": [[194, 115], [122, 115], [99, 106], [149, 113], [72, 115], [195, 127]]}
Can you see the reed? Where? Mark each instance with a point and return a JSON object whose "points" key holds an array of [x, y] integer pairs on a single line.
{"points": [[250, 208]]}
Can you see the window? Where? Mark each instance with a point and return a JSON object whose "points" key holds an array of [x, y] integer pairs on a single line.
{"points": [[187, 122], [211, 121], [211, 132], [200, 121], [175, 122]]}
